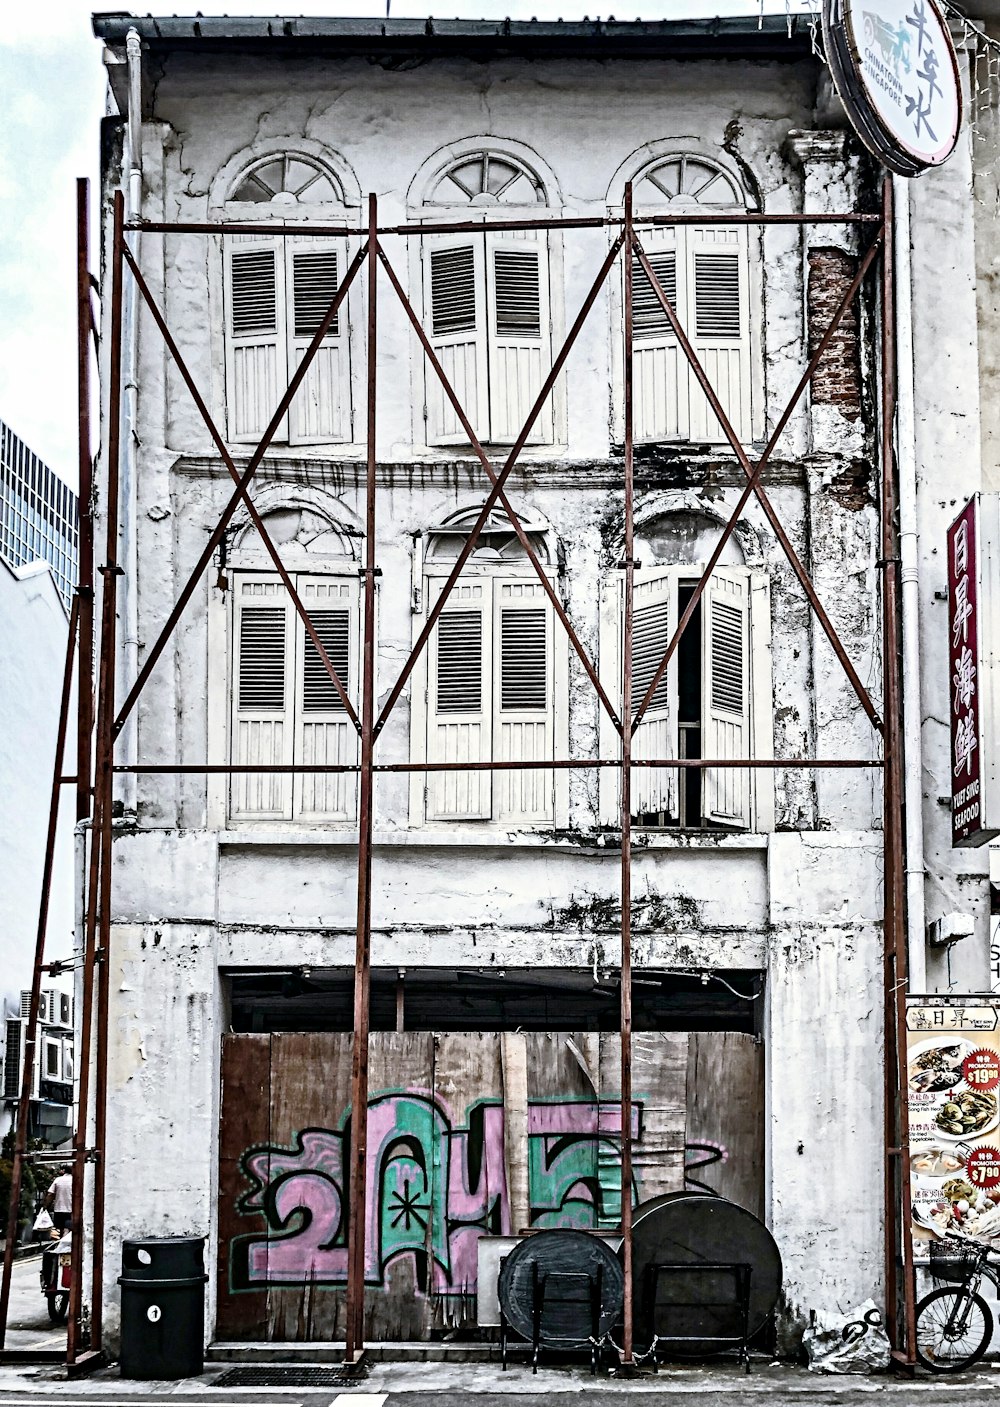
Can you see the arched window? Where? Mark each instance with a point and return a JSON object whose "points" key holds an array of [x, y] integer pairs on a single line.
{"points": [[495, 678], [704, 271], [283, 705], [277, 291], [486, 300], [707, 703]]}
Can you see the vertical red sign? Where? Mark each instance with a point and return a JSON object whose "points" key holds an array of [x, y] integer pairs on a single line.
{"points": [[963, 662]]}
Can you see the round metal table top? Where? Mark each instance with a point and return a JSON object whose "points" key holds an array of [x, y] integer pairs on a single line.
{"points": [[567, 1262], [692, 1228]]}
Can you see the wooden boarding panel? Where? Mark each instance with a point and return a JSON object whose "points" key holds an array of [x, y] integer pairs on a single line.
{"points": [[725, 1110], [245, 1112]]}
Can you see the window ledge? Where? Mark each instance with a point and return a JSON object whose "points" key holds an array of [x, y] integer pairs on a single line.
{"points": [[453, 837]]}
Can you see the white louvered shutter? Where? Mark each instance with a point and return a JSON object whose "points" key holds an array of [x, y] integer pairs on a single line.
{"points": [[659, 376], [654, 789], [523, 698], [725, 711], [520, 346], [321, 410], [718, 277], [256, 365], [459, 704], [263, 670], [455, 289], [324, 733]]}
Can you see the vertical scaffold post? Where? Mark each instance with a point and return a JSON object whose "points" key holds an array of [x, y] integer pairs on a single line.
{"points": [[99, 866], [85, 571], [628, 1356], [362, 961]]}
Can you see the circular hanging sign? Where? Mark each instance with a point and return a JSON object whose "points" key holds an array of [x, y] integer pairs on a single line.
{"points": [[896, 72]]}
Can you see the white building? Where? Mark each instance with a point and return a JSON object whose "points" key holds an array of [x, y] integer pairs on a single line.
{"points": [[37, 561], [757, 893]]}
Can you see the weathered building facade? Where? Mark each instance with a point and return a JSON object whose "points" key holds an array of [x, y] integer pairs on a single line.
{"points": [[757, 892]]}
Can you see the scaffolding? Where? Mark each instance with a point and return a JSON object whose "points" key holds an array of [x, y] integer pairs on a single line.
{"points": [[96, 735]]}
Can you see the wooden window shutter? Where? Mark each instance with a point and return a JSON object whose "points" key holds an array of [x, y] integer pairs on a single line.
{"points": [[255, 346], [321, 409], [324, 734], [262, 697], [455, 300], [459, 705], [719, 327], [519, 339], [524, 728], [659, 370], [726, 694], [654, 789]]}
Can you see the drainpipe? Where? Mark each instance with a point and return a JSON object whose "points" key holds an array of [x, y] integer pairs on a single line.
{"points": [[130, 317], [910, 588]]}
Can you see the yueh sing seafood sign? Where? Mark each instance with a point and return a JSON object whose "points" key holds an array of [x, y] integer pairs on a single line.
{"points": [[894, 67], [973, 551], [953, 1082]]}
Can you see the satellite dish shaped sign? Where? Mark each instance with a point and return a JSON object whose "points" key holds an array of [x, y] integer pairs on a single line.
{"points": [[894, 67]]}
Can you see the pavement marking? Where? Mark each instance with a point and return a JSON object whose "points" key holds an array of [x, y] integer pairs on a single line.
{"points": [[359, 1399]]}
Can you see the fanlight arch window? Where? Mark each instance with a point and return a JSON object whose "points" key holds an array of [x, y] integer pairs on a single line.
{"points": [[277, 290], [487, 303], [288, 178], [704, 270], [495, 679]]}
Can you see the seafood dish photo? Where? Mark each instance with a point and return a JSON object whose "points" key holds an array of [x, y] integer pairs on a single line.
{"points": [[936, 1162], [939, 1068], [967, 1113]]}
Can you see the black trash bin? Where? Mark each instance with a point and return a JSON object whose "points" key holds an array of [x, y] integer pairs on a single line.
{"points": [[163, 1307]]}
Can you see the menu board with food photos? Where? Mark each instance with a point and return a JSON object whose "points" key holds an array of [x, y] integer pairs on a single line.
{"points": [[953, 1083]]}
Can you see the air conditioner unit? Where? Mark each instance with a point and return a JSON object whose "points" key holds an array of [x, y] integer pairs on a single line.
{"points": [[13, 1065], [65, 1009]]}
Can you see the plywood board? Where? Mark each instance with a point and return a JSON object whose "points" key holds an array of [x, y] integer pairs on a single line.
{"points": [[725, 1109], [241, 1312]]}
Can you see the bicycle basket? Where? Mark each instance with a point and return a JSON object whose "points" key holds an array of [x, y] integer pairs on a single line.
{"points": [[953, 1260]]}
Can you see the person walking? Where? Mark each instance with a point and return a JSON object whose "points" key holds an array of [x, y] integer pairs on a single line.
{"points": [[59, 1198]]}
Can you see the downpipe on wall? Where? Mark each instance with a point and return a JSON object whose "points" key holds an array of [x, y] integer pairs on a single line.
{"points": [[130, 354], [909, 589]]}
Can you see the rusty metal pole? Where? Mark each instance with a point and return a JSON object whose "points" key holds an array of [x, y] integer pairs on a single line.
{"points": [[85, 549], [628, 1355], [98, 894], [898, 1231], [31, 1032], [362, 962]]}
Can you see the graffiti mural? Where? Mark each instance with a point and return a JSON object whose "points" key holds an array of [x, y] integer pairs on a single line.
{"points": [[434, 1184]]}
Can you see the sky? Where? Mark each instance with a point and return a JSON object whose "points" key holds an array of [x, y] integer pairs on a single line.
{"points": [[51, 102]]}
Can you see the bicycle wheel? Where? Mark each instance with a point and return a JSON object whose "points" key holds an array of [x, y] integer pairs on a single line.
{"points": [[954, 1329]]}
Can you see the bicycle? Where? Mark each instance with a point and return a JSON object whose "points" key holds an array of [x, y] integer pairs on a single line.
{"points": [[955, 1324]]}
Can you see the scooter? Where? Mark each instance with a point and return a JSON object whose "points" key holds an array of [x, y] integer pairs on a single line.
{"points": [[55, 1277]]}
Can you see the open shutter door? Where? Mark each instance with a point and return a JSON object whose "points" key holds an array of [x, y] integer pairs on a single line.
{"points": [[717, 278], [454, 280], [459, 708], [321, 410], [726, 695], [654, 789], [255, 352], [520, 349], [262, 697], [324, 733], [659, 369], [523, 699]]}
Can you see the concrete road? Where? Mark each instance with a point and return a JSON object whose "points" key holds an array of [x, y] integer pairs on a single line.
{"points": [[28, 1324]]}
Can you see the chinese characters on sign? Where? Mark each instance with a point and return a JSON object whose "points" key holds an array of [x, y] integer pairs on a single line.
{"points": [[968, 676], [894, 67]]}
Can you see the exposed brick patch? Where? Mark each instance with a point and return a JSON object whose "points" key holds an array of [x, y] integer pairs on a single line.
{"points": [[852, 486], [838, 377]]}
